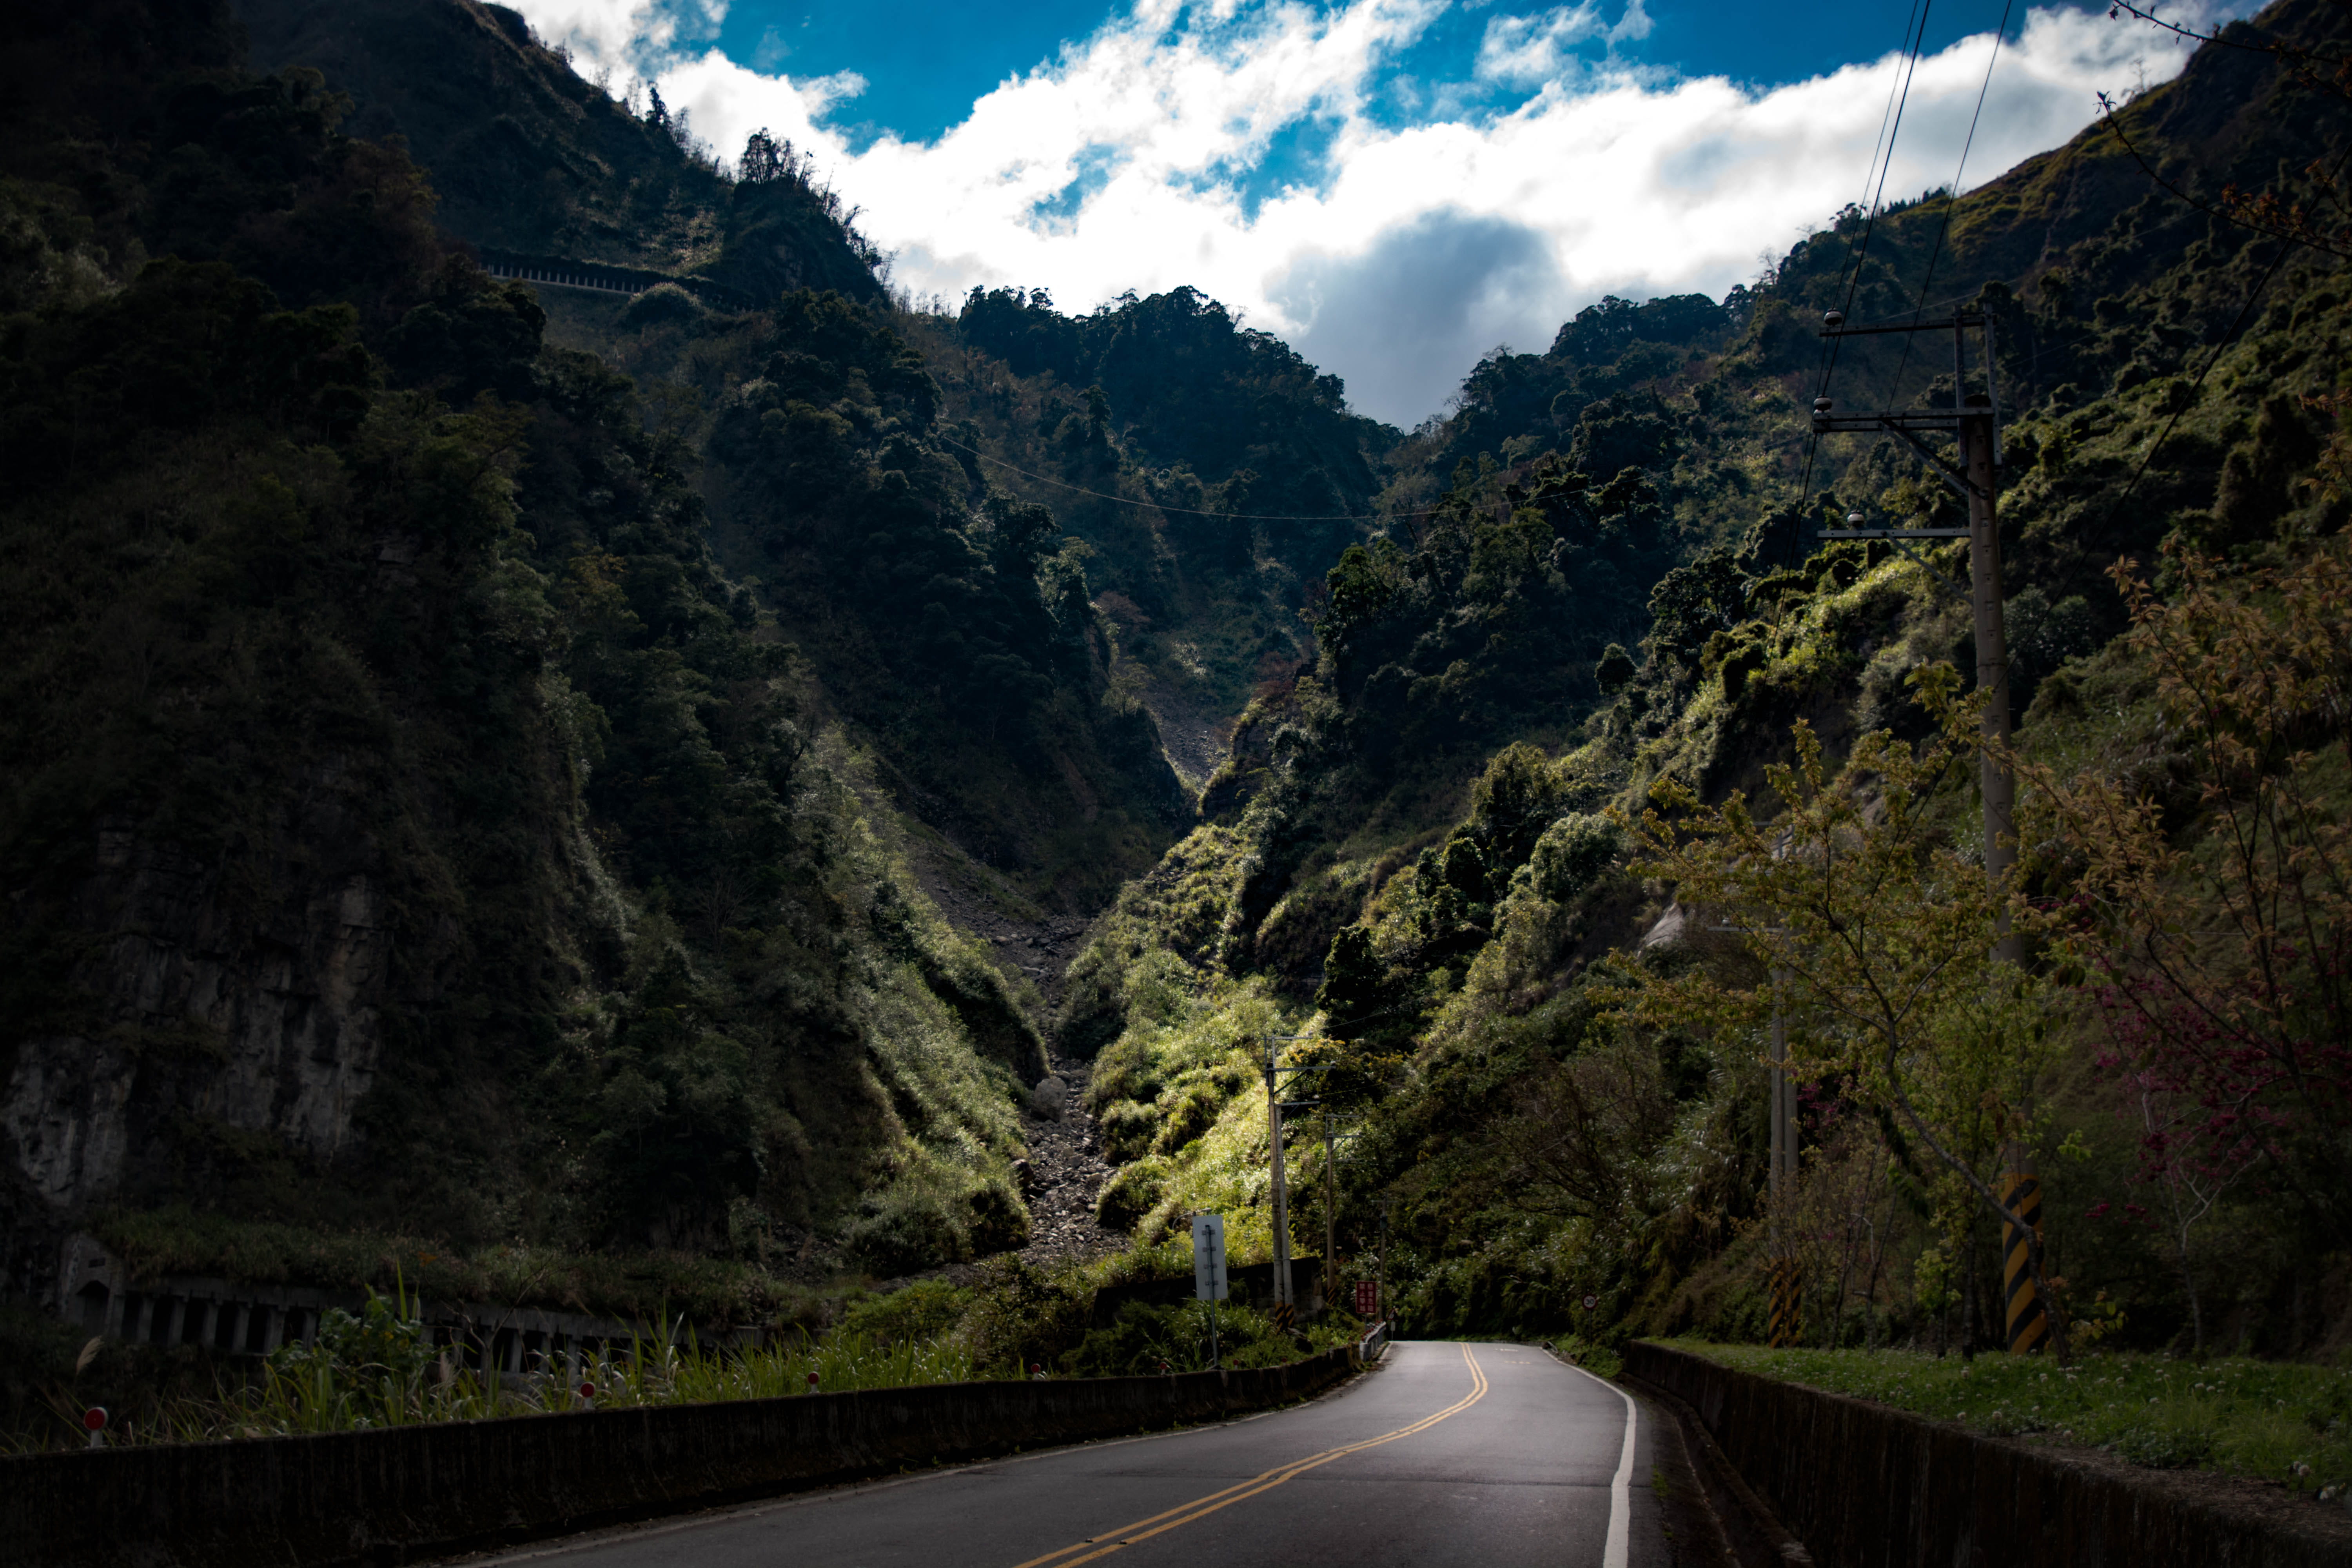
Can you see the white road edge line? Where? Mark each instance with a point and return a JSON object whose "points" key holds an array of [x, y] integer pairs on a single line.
{"points": [[1615, 1554]]}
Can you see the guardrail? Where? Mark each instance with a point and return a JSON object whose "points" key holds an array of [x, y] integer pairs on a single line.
{"points": [[1375, 1341], [1860, 1483], [409, 1493], [607, 277]]}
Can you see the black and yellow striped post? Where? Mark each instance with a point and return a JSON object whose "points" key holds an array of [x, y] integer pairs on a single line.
{"points": [[2020, 1194], [1787, 1327]]}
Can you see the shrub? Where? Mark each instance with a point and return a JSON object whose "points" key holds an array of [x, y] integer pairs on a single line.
{"points": [[1135, 1191], [923, 1310]]}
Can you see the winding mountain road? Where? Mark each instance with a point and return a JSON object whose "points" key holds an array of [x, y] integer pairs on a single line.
{"points": [[1486, 1454]]}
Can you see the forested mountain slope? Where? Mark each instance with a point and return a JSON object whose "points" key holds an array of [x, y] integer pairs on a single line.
{"points": [[526, 155], [408, 827], [1418, 850], [473, 752]]}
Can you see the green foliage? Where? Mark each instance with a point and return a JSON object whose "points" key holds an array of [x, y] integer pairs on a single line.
{"points": [[1143, 1340], [923, 1310], [383, 1369], [1136, 1188], [1596, 1359], [1535, 1151], [376, 604]]}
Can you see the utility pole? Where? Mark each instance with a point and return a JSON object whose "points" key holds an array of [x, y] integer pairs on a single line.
{"points": [[1784, 1099], [1331, 1216], [1332, 1140], [1281, 1198], [1274, 1108], [1975, 424]]}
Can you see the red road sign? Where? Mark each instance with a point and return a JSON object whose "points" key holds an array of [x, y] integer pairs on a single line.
{"points": [[1367, 1298]]}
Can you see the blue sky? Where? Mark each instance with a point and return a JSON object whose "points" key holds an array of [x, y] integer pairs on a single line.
{"points": [[1395, 187], [926, 64]]}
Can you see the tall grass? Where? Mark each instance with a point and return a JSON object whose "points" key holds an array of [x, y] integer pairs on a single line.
{"points": [[380, 1368]]}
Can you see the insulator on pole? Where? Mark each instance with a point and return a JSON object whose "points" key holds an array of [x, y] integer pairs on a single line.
{"points": [[1853, 520], [1823, 404], [1832, 320]]}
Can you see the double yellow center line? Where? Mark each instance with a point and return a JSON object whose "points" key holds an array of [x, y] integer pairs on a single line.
{"points": [[1143, 1530]]}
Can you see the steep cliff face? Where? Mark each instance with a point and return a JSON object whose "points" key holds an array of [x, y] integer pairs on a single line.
{"points": [[272, 1028], [405, 827]]}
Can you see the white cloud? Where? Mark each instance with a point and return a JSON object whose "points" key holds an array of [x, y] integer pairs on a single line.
{"points": [[1410, 250], [620, 38], [1528, 51]]}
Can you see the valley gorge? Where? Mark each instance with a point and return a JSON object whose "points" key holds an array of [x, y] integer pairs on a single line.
{"points": [[611, 797]]}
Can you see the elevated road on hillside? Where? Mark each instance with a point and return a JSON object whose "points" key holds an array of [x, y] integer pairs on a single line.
{"points": [[1489, 1454]]}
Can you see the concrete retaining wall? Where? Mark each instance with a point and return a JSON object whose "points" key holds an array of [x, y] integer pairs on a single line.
{"points": [[421, 1491], [1866, 1487]]}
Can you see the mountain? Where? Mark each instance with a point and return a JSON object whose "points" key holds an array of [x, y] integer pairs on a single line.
{"points": [[524, 776], [411, 828], [1409, 858], [526, 156]]}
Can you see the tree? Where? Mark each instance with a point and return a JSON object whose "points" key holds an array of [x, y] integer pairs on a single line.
{"points": [[2308, 222], [2216, 927], [1881, 936]]}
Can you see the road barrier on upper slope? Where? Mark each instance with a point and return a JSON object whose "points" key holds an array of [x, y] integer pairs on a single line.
{"points": [[1863, 1486], [410, 1492], [607, 277]]}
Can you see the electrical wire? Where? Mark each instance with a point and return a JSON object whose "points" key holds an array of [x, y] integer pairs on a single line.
{"points": [[1951, 202], [1915, 37], [1861, 243]]}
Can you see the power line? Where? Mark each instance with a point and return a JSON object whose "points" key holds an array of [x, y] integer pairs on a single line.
{"points": [[1880, 144], [1187, 510], [1952, 200], [1914, 37]]}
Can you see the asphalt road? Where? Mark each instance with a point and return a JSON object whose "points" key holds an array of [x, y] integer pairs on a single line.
{"points": [[1486, 1454]]}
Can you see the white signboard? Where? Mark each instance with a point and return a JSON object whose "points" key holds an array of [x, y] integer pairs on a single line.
{"points": [[1208, 1256]]}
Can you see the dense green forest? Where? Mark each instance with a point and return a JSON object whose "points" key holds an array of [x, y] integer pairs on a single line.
{"points": [[410, 825], [490, 770], [1430, 849]]}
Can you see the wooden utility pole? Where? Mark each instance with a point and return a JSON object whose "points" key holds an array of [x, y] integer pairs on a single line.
{"points": [[1784, 1099], [1280, 1196], [1979, 441], [1975, 424], [1331, 1216], [1284, 1297]]}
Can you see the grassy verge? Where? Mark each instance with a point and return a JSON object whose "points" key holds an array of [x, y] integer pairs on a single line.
{"points": [[2281, 1421], [380, 1367]]}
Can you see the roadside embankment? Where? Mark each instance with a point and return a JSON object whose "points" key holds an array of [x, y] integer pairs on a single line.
{"points": [[404, 1493], [1863, 1486]]}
